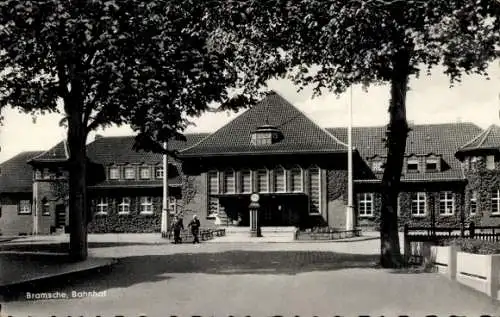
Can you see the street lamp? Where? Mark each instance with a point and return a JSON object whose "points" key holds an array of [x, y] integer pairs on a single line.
{"points": [[164, 211]]}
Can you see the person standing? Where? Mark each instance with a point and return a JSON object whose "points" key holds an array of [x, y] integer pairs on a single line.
{"points": [[195, 228], [177, 227]]}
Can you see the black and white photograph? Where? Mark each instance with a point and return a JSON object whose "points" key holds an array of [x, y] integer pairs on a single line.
{"points": [[249, 158]]}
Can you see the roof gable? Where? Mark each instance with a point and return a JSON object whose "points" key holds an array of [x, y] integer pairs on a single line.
{"points": [[300, 134], [59, 152], [488, 139]]}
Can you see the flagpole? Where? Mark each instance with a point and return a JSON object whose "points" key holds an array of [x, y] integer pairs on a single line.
{"points": [[164, 212], [350, 206]]}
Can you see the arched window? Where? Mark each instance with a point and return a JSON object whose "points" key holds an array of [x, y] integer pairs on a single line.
{"points": [[279, 180], [296, 179], [315, 189]]}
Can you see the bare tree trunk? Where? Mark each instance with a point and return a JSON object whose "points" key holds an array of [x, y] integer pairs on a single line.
{"points": [[397, 132], [77, 188]]}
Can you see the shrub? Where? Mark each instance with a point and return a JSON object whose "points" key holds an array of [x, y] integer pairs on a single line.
{"points": [[476, 246]]}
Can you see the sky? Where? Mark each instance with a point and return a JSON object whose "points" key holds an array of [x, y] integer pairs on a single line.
{"points": [[430, 100]]}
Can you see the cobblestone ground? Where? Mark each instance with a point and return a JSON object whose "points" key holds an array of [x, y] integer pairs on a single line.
{"points": [[306, 279]]}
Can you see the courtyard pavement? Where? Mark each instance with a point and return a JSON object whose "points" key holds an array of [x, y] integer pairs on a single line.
{"points": [[248, 279]]}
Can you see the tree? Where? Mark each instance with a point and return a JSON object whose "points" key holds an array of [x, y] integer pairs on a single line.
{"points": [[333, 44], [143, 63]]}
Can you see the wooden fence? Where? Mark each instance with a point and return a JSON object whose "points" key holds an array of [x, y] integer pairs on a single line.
{"points": [[416, 237]]}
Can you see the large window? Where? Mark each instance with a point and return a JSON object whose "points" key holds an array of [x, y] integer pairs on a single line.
{"points": [[124, 206], [159, 172], [114, 173], [146, 205], [365, 205], [129, 172], [315, 189], [446, 203], [213, 182], [490, 162], [296, 180], [262, 181], [102, 206], [24, 207], [279, 180], [246, 181], [418, 204], [473, 203], [229, 181], [495, 202], [145, 172]]}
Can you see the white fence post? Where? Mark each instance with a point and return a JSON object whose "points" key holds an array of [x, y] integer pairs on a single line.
{"points": [[452, 262], [492, 277]]}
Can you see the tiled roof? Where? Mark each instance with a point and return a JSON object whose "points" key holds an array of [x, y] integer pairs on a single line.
{"points": [[109, 184], [16, 176], [57, 153], [439, 139], [119, 150], [300, 134], [487, 139]]}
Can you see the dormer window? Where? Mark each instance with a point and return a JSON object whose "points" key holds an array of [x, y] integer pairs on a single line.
{"points": [[412, 165], [114, 173], [145, 172], [266, 135], [431, 165]]}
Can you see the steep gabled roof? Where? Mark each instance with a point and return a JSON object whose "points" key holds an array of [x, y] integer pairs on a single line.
{"points": [[16, 176], [488, 139], [437, 139], [300, 134], [57, 153], [119, 150]]}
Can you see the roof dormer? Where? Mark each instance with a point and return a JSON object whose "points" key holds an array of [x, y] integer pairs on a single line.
{"points": [[266, 135]]}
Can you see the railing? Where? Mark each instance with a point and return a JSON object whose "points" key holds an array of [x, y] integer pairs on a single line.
{"points": [[415, 237], [326, 233], [204, 234]]}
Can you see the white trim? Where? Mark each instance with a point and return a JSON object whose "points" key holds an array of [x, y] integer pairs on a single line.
{"points": [[157, 169], [497, 202], [146, 201], [101, 205], [320, 192], [144, 168], [224, 180], [242, 181], [421, 197], [283, 174], [128, 168], [446, 200], [123, 204], [366, 198], [266, 177], [114, 168], [292, 189]]}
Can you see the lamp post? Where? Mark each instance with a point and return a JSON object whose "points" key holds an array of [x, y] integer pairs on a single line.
{"points": [[350, 208], [164, 211]]}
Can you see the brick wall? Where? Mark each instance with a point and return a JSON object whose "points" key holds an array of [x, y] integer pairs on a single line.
{"points": [[11, 222], [336, 198]]}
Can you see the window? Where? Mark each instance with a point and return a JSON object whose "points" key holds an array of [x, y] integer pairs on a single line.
{"points": [[213, 182], [45, 208], [418, 204], [431, 165], [315, 190], [378, 166], [365, 205], [124, 206], [159, 172], [473, 203], [146, 205], [24, 207], [229, 182], [129, 173], [213, 205], [490, 162], [46, 173], [246, 181], [412, 165], [262, 138], [145, 172], [446, 203], [495, 202], [279, 183], [296, 179], [399, 205], [102, 206], [114, 173], [38, 174], [172, 204], [262, 181]]}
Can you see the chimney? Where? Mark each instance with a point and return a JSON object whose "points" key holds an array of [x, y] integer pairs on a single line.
{"points": [[98, 136]]}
